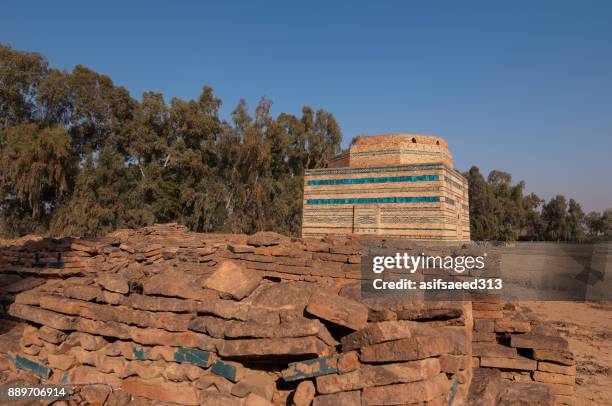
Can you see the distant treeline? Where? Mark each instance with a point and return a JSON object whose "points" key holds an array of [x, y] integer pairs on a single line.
{"points": [[80, 156], [500, 210]]}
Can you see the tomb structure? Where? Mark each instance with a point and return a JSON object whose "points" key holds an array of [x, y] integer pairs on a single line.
{"points": [[392, 185]]}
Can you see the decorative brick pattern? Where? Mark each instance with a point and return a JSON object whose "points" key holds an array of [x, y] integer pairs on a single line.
{"points": [[397, 185]]}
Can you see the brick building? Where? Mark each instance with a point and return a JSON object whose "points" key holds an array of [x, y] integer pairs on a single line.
{"points": [[393, 185]]}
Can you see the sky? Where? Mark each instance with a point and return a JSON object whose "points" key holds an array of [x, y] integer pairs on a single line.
{"points": [[520, 86]]}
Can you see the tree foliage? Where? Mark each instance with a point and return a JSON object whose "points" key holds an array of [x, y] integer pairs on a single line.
{"points": [[500, 210], [79, 156]]}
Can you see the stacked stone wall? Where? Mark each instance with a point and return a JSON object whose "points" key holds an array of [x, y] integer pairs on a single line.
{"points": [[164, 315]]}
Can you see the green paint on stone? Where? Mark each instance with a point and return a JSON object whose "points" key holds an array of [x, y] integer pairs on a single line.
{"points": [[56, 265], [139, 353], [65, 377], [310, 368], [29, 365], [225, 370], [192, 356]]}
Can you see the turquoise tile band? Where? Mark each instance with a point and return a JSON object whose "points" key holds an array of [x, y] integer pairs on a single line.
{"points": [[384, 179], [374, 200]]}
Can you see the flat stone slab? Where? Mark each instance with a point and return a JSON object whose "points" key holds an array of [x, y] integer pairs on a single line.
{"points": [[233, 280], [539, 342], [338, 310], [338, 399], [560, 357], [375, 333], [407, 349], [421, 391], [379, 375], [521, 363], [516, 393], [273, 347]]}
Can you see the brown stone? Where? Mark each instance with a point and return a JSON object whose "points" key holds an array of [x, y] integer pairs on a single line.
{"points": [[475, 362], [451, 364], [255, 400], [339, 399], [488, 314], [151, 336], [560, 389], [378, 375], [538, 342], [208, 398], [375, 333], [121, 314], [284, 296], [407, 349], [421, 391], [338, 310], [304, 394], [559, 357], [509, 363], [42, 316], [29, 297], [484, 388], [92, 293], [213, 326], [158, 389], [524, 394], [263, 316], [85, 375], [299, 328], [175, 283], [484, 325], [274, 347], [429, 311], [51, 335], [63, 362], [556, 368], [87, 341], [119, 398], [512, 326], [240, 248], [84, 246], [233, 280], [457, 334], [260, 384], [493, 350], [549, 377], [226, 309], [23, 285], [519, 376], [348, 362], [160, 304], [487, 306], [265, 238], [114, 283], [481, 336], [214, 383], [181, 372], [95, 395], [564, 400]]}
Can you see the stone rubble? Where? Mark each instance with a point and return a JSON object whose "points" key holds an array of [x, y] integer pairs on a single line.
{"points": [[163, 315]]}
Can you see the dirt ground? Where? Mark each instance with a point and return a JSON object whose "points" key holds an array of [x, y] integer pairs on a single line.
{"points": [[588, 328]]}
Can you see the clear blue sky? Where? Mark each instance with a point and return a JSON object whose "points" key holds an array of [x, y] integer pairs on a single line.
{"points": [[521, 86]]}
